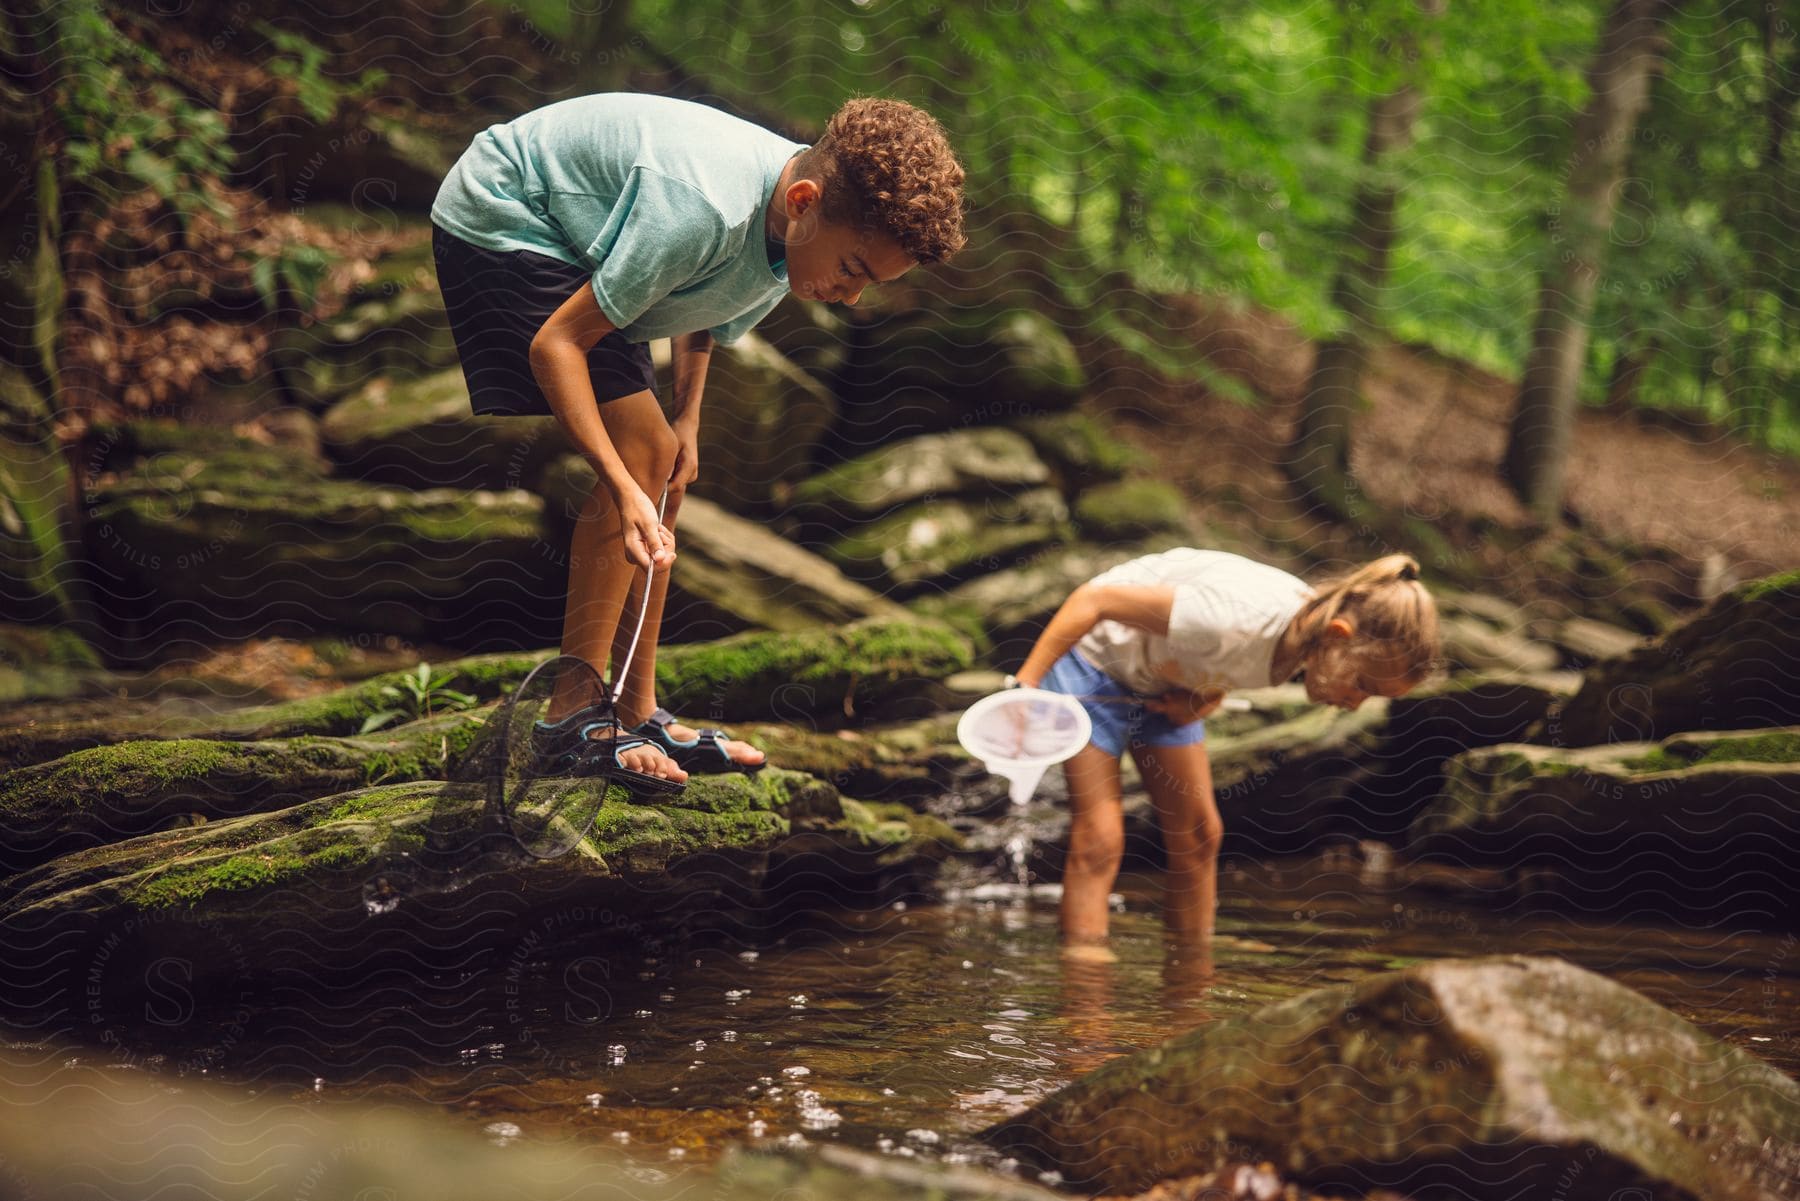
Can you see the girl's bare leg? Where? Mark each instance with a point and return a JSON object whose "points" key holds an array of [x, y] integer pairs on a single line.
{"points": [[1096, 845], [1179, 780]]}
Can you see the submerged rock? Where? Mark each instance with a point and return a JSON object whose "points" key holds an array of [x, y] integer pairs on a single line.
{"points": [[1735, 665], [1507, 1077]]}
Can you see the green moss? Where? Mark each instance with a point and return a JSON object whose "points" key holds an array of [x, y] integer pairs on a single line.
{"points": [[1777, 746], [143, 767], [1131, 509], [1784, 585], [187, 886], [1080, 446]]}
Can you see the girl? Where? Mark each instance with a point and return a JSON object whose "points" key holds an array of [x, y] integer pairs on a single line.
{"points": [[1175, 631]]}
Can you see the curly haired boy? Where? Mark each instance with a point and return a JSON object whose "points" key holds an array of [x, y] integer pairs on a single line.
{"points": [[568, 238]]}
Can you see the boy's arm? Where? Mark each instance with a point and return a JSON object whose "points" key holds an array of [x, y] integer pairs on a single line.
{"points": [[1142, 606], [691, 353], [559, 362]]}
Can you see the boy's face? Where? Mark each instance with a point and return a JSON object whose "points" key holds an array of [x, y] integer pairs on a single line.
{"points": [[831, 262]]}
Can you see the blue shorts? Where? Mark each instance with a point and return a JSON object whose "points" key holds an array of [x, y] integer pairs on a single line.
{"points": [[1116, 724]]}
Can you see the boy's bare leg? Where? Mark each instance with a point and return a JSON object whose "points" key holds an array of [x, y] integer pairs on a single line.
{"points": [[1096, 846], [599, 571], [1179, 781], [638, 700]]}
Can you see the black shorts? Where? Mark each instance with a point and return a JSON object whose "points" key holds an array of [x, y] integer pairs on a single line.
{"points": [[497, 301]]}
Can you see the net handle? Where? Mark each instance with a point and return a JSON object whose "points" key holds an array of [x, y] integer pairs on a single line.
{"points": [[619, 676]]}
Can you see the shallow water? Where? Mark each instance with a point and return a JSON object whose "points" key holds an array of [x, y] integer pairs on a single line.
{"points": [[908, 1028]]}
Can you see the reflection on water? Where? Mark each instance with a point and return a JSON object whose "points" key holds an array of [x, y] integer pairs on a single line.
{"points": [[906, 1029]]}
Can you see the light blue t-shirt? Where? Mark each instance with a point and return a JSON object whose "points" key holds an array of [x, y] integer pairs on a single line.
{"points": [[663, 200]]}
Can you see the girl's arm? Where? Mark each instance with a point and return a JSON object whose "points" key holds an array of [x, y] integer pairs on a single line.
{"points": [[692, 353], [1141, 606], [559, 362]]}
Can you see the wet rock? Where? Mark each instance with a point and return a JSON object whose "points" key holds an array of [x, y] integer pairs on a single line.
{"points": [[1735, 665], [976, 462], [1132, 509], [944, 540], [763, 418], [419, 433], [1615, 825], [830, 1172], [434, 854], [1506, 1077]]}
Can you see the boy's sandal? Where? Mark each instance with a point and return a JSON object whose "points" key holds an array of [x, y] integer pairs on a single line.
{"points": [[590, 762], [704, 753]]}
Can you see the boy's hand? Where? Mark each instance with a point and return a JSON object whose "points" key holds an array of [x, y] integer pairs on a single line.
{"points": [[1182, 706], [647, 540]]}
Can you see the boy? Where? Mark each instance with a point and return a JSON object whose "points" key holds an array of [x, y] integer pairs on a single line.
{"points": [[568, 238]]}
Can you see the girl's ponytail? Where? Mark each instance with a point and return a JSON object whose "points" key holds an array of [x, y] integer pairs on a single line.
{"points": [[1385, 602]]}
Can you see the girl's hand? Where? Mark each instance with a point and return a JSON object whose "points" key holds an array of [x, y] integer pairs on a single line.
{"points": [[1182, 706], [647, 540]]}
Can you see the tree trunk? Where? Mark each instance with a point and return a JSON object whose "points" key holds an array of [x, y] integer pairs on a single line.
{"points": [[1319, 455], [1631, 50]]}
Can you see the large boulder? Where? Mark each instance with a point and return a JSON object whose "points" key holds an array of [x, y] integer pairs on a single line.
{"points": [[1507, 1077], [246, 539], [761, 420], [944, 541], [419, 433], [1612, 826], [426, 868], [1735, 665], [931, 371], [733, 574], [109, 793]]}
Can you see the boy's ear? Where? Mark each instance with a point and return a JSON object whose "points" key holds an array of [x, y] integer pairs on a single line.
{"points": [[801, 196]]}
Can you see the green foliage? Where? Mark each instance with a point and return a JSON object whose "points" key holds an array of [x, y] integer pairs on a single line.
{"points": [[416, 694], [304, 64]]}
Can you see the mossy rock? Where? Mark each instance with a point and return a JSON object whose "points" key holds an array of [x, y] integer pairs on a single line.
{"points": [[1079, 448], [420, 433], [338, 713], [870, 669], [1132, 509], [40, 663], [256, 542], [973, 462], [110, 793], [1735, 665], [399, 336], [1459, 1077], [942, 541], [1606, 828], [912, 761]]}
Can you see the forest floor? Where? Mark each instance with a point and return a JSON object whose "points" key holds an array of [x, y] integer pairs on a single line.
{"points": [[1430, 444]]}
